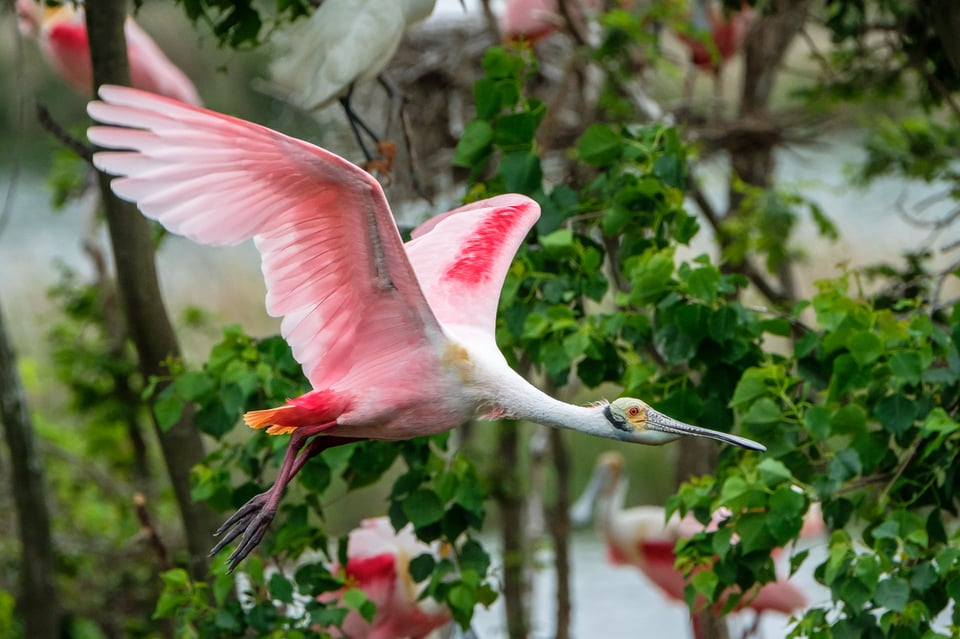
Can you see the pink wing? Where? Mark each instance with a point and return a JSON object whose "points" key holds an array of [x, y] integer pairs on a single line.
{"points": [[463, 287], [332, 258]]}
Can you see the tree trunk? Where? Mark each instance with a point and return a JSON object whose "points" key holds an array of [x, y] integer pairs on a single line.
{"points": [[764, 48], [509, 497], [946, 24], [147, 321], [560, 530], [38, 598]]}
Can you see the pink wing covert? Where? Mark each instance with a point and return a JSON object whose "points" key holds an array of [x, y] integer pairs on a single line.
{"points": [[464, 287], [332, 258]]}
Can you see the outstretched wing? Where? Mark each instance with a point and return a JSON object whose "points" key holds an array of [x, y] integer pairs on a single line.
{"points": [[333, 260], [462, 257]]}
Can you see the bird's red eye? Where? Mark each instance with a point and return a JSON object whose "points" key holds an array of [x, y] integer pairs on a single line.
{"points": [[633, 411]]}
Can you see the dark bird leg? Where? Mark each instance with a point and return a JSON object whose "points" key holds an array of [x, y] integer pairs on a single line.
{"points": [[358, 126], [253, 518]]}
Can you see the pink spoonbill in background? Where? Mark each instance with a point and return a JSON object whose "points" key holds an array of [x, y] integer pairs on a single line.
{"points": [[378, 563], [718, 36], [61, 33], [533, 20], [397, 340], [642, 537]]}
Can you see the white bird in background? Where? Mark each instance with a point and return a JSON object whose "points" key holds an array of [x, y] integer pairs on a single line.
{"points": [[398, 340], [643, 537], [343, 44]]}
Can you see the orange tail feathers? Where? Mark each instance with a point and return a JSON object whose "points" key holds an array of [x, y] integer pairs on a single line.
{"points": [[315, 409], [276, 419]]}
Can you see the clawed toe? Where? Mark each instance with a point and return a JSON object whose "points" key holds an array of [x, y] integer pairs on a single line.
{"points": [[252, 521]]}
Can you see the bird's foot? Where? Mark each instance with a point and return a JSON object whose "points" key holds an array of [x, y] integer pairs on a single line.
{"points": [[252, 520], [382, 166]]}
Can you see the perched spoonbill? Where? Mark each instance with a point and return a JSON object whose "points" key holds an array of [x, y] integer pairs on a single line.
{"points": [[397, 340], [343, 43], [643, 537], [378, 563], [61, 33], [726, 35], [533, 20]]}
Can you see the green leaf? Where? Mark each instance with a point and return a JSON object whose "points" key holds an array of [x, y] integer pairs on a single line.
{"points": [[559, 241], [844, 376], [650, 275], [763, 411], [896, 413], [670, 168], [751, 386], [515, 129], [423, 508], [521, 172], [194, 385], [462, 601], [600, 145], [849, 420], [280, 588], [498, 62], [907, 366], [357, 599], [422, 566], [168, 408], [816, 419], [703, 283], [754, 534], [844, 465], [773, 473], [475, 144], [893, 593], [865, 347], [176, 579]]}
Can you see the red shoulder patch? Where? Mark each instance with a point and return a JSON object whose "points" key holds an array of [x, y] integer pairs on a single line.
{"points": [[365, 569], [481, 250], [69, 37], [658, 551]]}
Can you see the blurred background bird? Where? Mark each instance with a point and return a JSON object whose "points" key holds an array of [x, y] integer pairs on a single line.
{"points": [[61, 33], [378, 563], [344, 43], [715, 36], [644, 538]]}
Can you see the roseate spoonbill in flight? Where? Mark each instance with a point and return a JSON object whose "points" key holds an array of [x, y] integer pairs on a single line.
{"points": [[397, 340], [642, 537], [343, 43], [61, 33], [717, 37], [378, 563]]}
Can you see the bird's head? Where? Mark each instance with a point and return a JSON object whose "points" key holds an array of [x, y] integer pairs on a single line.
{"points": [[635, 421]]}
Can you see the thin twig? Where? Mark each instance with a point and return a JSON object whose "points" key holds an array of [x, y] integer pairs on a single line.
{"points": [[149, 532], [46, 120]]}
